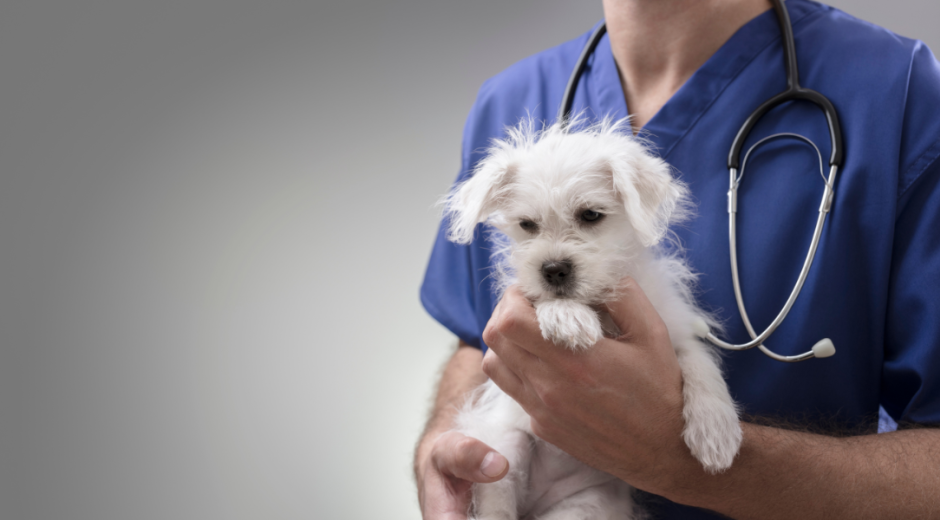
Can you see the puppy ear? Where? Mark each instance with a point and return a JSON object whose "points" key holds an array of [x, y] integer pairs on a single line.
{"points": [[652, 198], [476, 199]]}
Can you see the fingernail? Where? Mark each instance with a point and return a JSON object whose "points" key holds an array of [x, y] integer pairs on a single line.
{"points": [[493, 464]]}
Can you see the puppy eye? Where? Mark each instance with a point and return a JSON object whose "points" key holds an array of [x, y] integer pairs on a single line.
{"points": [[590, 215], [529, 226]]}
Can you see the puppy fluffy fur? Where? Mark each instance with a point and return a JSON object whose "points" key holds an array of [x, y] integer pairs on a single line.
{"points": [[578, 208]]}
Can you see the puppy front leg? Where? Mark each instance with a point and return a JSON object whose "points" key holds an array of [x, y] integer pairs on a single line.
{"points": [[569, 323], [712, 428], [500, 500]]}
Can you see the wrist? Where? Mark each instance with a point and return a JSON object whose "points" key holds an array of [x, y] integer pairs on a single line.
{"points": [[766, 453], [685, 481]]}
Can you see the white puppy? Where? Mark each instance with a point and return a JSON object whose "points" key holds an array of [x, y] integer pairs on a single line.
{"points": [[581, 209]]}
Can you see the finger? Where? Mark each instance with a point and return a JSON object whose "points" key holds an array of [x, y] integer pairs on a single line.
{"points": [[468, 459], [514, 320], [520, 310], [634, 314], [512, 353], [504, 377], [511, 334]]}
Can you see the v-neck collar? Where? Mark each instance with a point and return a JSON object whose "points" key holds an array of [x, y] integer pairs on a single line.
{"points": [[670, 124]]}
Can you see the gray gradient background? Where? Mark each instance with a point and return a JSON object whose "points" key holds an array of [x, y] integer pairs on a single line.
{"points": [[214, 219]]}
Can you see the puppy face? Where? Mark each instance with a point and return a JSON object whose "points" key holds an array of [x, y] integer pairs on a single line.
{"points": [[577, 206]]}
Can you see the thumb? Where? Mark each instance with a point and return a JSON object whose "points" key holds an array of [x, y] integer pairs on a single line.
{"points": [[468, 459], [634, 314]]}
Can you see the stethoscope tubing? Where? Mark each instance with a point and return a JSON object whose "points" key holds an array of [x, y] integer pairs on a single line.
{"points": [[824, 347], [567, 100], [793, 92]]}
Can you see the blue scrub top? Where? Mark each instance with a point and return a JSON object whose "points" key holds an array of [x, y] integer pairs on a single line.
{"points": [[874, 288]]}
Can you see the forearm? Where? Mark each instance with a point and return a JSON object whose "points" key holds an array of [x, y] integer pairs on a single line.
{"points": [[461, 375], [787, 474]]}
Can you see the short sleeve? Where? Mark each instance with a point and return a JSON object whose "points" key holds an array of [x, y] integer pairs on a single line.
{"points": [[911, 373], [459, 285]]}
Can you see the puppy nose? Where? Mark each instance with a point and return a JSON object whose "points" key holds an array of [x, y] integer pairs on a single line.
{"points": [[556, 273]]}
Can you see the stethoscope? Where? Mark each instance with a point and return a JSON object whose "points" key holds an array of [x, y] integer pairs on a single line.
{"points": [[824, 347]]}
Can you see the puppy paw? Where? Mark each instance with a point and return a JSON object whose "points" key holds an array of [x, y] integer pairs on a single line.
{"points": [[569, 324], [713, 434]]}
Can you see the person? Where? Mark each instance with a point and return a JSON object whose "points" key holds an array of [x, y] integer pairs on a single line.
{"points": [[691, 71]]}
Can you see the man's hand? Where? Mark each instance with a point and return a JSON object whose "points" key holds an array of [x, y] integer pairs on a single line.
{"points": [[616, 406], [446, 462], [445, 476]]}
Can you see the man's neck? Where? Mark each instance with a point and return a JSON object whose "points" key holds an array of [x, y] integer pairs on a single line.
{"points": [[659, 44]]}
